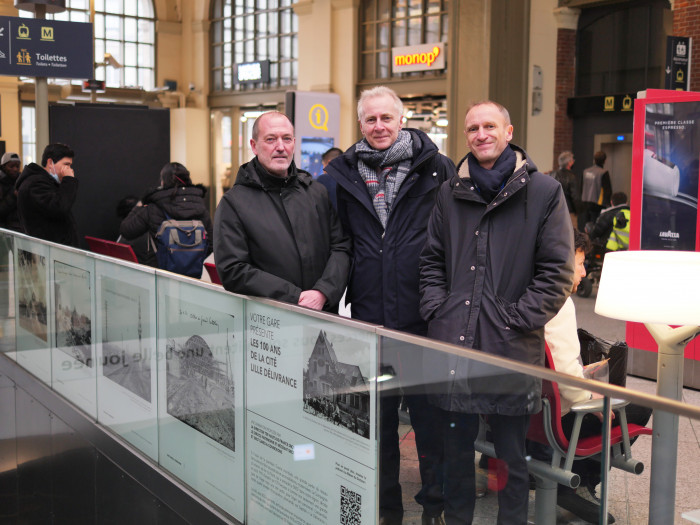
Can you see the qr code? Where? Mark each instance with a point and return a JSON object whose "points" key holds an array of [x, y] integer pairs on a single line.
{"points": [[350, 507]]}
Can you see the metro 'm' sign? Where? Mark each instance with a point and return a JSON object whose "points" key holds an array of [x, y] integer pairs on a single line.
{"points": [[426, 57]]}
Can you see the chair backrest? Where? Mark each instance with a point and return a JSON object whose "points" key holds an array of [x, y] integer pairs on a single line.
{"points": [[111, 248], [550, 392], [213, 274]]}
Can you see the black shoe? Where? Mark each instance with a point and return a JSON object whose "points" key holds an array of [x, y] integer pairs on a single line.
{"points": [[432, 520], [586, 510]]}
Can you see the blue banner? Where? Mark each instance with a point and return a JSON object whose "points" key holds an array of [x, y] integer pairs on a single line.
{"points": [[31, 47]]}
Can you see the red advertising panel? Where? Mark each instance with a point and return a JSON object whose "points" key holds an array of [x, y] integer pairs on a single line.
{"points": [[665, 175]]}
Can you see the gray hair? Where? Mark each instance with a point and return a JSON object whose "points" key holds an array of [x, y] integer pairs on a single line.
{"points": [[379, 91], [564, 158]]}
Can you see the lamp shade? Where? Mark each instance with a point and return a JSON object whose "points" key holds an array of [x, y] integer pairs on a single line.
{"points": [[651, 287]]}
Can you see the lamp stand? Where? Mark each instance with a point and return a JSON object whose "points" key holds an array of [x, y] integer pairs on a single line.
{"points": [[664, 441]]}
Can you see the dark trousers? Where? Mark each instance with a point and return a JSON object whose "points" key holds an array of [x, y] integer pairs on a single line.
{"points": [[460, 431], [589, 213], [428, 445]]}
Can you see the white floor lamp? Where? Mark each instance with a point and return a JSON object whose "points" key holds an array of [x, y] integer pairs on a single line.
{"points": [[657, 288]]}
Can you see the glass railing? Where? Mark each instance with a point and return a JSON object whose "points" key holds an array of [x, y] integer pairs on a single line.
{"points": [[276, 413]]}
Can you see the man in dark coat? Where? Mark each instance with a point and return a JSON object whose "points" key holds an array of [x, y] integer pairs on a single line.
{"points": [[386, 188], [567, 179], [276, 234], [497, 265], [45, 196], [10, 166]]}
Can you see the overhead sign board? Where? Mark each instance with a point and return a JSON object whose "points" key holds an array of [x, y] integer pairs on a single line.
{"points": [[425, 57], [252, 72], [32, 47], [677, 62]]}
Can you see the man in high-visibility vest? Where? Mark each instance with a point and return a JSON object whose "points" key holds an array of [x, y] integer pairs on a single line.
{"points": [[612, 229]]}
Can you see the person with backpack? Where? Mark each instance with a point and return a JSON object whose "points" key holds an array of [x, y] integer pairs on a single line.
{"points": [[176, 216]]}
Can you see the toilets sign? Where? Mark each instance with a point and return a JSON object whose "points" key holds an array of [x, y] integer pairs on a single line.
{"points": [[31, 47]]}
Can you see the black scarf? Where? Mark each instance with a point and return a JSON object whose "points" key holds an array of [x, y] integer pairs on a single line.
{"points": [[490, 182], [270, 181]]}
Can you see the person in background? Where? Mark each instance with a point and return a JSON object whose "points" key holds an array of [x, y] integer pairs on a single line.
{"points": [[326, 179], [10, 166], [497, 266], [142, 244], [612, 229], [176, 196], [596, 190], [567, 179], [387, 184], [561, 336], [277, 234], [46, 194]]}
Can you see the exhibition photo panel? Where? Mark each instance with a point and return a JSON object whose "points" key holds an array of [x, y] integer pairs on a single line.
{"points": [[311, 400], [126, 353], [200, 390], [73, 366], [32, 307], [7, 295]]}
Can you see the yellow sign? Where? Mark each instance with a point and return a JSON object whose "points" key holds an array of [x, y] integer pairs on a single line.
{"points": [[627, 103], [417, 58], [24, 58], [680, 77], [47, 33], [23, 32], [609, 104], [318, 117]]}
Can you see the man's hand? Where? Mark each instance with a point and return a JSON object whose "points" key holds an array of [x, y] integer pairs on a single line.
{"points": [[599, 415], [312, 299], [64, 171]]}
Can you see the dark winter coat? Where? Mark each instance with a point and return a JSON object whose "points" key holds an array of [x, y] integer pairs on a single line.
{"points": [[45, 206], [9, 218], [492, 275], [567, 179], [383, 286], [277, 240], [182, 203]]}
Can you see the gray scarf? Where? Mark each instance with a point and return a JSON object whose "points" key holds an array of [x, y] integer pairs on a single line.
{"points": [[384, 171]]}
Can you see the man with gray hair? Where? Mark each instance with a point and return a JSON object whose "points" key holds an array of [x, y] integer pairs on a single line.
{"points": [[276, 234], [568, 182], [386, 188]]}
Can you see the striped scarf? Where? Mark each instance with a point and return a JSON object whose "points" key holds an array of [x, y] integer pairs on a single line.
{"points": [[384, 171]]}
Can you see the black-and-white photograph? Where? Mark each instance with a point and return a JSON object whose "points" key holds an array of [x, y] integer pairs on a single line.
{"points": [[31, 293], [335, 388], [200, 387], [126, 336], [73, 312]]}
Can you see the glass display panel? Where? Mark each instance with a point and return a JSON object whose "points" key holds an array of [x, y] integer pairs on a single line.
{"points": [[73, 366], [125, 335], [7, 296], [200, 390], [32, 307], [310, 403]]}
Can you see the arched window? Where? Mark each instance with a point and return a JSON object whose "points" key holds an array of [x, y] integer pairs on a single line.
{"points": [[126, 30], [244, 31]]}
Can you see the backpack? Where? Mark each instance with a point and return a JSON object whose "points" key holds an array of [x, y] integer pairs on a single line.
{"points": [[181, 246]]}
